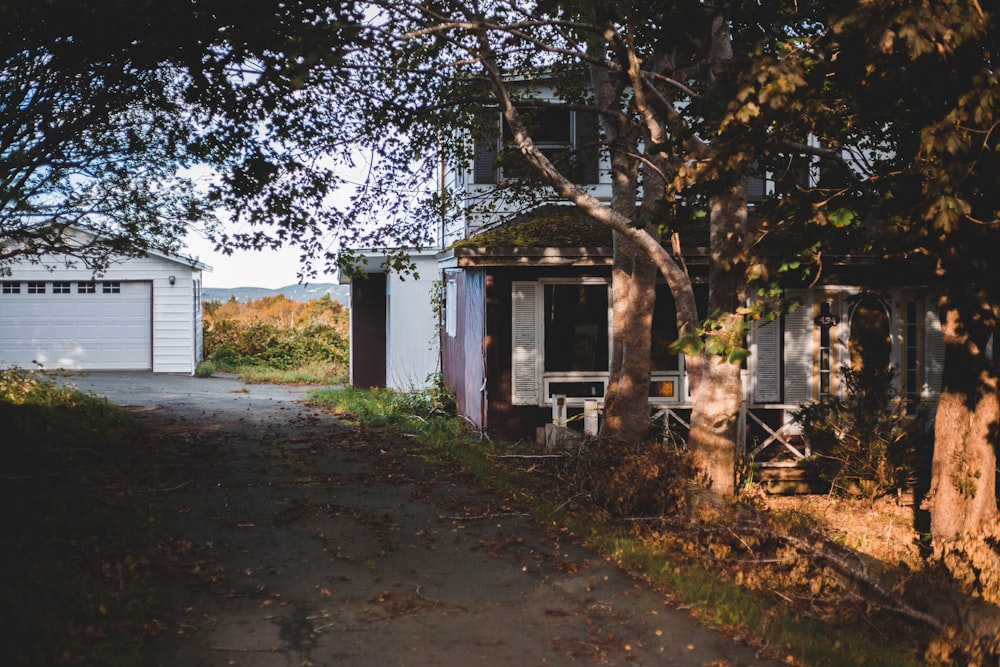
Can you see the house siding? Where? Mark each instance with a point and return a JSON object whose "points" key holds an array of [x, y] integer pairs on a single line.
{"points": [[463, 355], [412, 356]]}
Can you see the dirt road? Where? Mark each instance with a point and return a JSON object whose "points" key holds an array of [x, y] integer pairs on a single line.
{"points": [[294, 539]]}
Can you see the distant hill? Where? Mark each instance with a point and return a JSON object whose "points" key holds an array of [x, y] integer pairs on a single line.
{"points": [[306, 292]]}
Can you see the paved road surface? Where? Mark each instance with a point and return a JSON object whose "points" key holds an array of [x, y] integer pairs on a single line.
{"points": [[293, 539]]}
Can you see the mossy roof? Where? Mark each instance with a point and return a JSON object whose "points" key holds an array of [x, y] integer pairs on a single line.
{"points": [[548, 226]]}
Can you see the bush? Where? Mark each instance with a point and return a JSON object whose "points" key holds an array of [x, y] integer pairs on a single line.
{"points": [[276, 333], [204, 369], [620, 479], [865, 445]]}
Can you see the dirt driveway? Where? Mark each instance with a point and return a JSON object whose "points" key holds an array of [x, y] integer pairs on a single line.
{"points": [[295, 539]]}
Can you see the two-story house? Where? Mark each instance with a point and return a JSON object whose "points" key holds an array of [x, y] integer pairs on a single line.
{"points": [[527, 303]]}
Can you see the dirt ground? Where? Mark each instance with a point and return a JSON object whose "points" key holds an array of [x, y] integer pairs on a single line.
{"points": [[294, 539]]}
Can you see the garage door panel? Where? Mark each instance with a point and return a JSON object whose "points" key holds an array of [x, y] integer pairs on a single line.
{"points": [[78, 330]]}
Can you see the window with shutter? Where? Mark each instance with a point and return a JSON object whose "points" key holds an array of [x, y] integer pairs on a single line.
{"points": [[798, 352], [525, 364], [570, 139], [765, 361], [933, 352]]}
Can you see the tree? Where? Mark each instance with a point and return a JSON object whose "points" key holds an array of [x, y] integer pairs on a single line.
{"points": [[689, 96], [926, 80], [109, 104], [85, 140]]}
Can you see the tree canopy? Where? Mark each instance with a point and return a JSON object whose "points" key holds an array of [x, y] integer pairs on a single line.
{"points": [[108, 107]]}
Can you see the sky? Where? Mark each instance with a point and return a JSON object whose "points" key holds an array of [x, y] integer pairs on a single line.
{"points": [[266, 268]]}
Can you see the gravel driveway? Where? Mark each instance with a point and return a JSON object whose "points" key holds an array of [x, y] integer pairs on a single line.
{"points": [[292, 538]]}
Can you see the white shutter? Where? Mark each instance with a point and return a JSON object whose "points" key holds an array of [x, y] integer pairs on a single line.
{"points": [[526, 381], [933, 352], [798, 352], [765, 361]]}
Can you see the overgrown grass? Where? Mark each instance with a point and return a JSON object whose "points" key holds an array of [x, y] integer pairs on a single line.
{"points": [[317, 373], [716, 601], [77, 516], [720, 603], [428, 419]]}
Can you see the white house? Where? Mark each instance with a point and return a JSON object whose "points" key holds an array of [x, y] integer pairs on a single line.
{"points": [[142, 313]]}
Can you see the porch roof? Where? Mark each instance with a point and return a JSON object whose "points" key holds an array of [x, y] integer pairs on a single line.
{"points": [[471, 256]]}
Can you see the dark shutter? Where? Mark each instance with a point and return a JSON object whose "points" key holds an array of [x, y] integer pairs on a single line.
{"points": [[755, 189], [588, 146], [487, 146]]}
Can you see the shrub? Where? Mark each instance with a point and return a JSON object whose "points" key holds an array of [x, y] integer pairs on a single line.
{"points": [[864, 445], [204, 369], [621, 479], [277, 333]]}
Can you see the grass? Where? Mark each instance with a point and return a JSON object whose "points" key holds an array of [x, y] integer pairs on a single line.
{"points": [[77, 517], [715, 601], [311, 374], [429, 417]]}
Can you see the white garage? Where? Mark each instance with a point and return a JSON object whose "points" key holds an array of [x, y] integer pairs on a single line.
{"points": [[141, 314]]}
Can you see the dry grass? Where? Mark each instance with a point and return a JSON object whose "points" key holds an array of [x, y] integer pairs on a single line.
{"points": [[883, 529]]}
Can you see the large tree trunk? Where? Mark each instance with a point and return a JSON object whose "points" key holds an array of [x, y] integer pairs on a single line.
{"points": [[714, 420], [633, 283], [626, 405], [962, 498], [719, 396]]}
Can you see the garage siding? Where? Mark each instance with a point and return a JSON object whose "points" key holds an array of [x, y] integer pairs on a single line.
{"points": [[175, 318]]}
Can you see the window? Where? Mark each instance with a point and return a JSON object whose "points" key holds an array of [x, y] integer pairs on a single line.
{"points": [[576, 327], [86, 288], [450, 307], [61, 288], [111, 288], [826, 321], [11, 288], [662, 356], [560, 341], [36, 287], [569, 138]]}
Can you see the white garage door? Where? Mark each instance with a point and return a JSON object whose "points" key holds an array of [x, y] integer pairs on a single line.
{"points": [[76, 325]]}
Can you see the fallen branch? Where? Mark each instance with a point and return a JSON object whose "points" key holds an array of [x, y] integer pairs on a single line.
{"points": [[858, 572], [527, 456]]}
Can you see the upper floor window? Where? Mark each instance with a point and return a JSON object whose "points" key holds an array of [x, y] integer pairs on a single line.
{"points": [[570, 139]]}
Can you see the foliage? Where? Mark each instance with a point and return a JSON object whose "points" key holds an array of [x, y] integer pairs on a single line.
{"points": [[422, 412], [137, 121], [619, 479], [78, 521], [204, 369], [865, 444], [278, 333]]}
